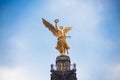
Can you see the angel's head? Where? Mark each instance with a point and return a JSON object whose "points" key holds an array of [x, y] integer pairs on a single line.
{"points": [[61, 27]]}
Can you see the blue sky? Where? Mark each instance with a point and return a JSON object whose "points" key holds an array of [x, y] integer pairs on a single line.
{"points": [[27, 48]]}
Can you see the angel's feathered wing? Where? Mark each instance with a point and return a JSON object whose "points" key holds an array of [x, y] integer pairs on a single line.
{"points": [[67, 29], [50, 27]]}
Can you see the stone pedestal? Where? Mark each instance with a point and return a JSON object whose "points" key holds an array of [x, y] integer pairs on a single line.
{"points": [[63, 70]]}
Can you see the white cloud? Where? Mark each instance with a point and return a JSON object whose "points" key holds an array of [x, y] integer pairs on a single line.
{"points": [[82, 73], [58, 5], [84, 16], [113, 72], [20, 73], [17, 73]]}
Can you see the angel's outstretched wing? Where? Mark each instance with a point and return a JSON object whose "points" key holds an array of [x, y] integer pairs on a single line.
{"points": [[50, 27], [67, 29]]}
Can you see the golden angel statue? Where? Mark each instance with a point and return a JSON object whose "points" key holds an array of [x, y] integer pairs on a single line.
{"points": [[60, 33]]}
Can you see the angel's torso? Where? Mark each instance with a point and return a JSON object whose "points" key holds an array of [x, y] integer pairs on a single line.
{"points": [[61, 35]]}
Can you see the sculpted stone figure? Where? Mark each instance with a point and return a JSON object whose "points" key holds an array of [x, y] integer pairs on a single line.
{"points": [[60, 33]]}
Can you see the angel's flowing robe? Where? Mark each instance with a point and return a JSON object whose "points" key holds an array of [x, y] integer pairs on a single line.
{"points": [[62, 45]]}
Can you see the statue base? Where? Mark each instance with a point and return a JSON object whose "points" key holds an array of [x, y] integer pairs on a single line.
{"points": [[63, 70]]}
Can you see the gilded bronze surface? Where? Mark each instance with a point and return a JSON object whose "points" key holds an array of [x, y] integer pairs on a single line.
{"points": [[60, 33]]}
